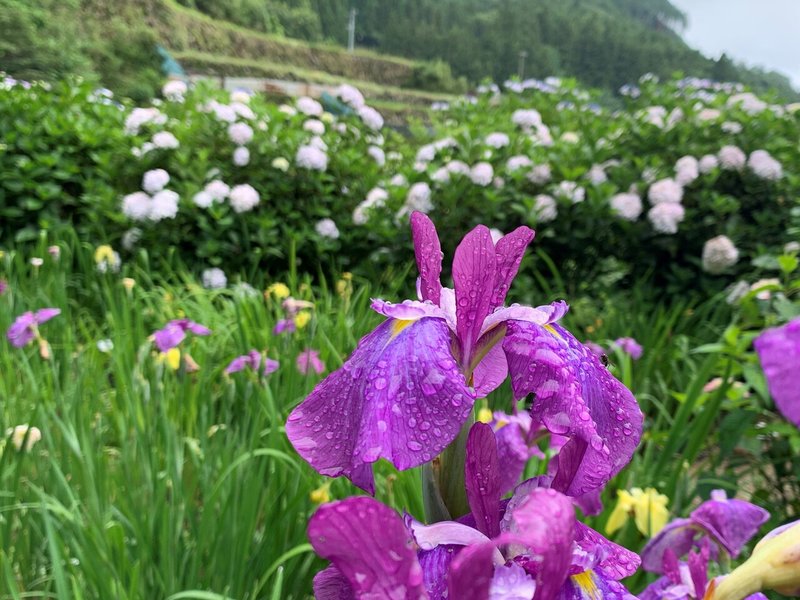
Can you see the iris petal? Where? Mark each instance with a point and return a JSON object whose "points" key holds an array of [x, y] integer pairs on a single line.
{"points": [[591, 585], [730, 522], [576, 397], [473, 275], [369, 544], [330, 584], [428, 252], [779, 352], [482, 476], [508, 255], [399, 396]]}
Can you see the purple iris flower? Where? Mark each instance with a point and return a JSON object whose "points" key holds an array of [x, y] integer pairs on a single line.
{"points": [[529, 547], [174, 333], [409, 387], [23, 330], [779, 352], [629, 346], [685, 580], [728, 523], [252, 360], [284, 326], [309, 360]]}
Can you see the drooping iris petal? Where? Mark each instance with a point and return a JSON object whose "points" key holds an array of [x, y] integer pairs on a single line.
{"points": [[491, 371], [730, 522], [169, 337], [545, 522], [428, 252], [677, 536], [399, 396], [576, 397], [473, 275], [602, 556], [447, 533], [508, 255], [482, 477], [779, 352], [331, 584], [369, 544], [471, 573], [541, 315], [591, 585]]}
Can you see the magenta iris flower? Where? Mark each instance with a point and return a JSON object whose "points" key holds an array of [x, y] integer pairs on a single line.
{"points": [[309, 360], [727, 523], [409, 387], [530, 546], [23, 330], [174, 333], [629, 346], [284, 326], [779, 352], [252, 360]]}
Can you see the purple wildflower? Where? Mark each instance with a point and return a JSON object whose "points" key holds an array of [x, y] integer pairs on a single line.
{"points": [[595, 348], [779, 352], [284, 326], [530, 546], [729, 523], [24, 329], [629, 346], [309, 359], [409, 386], [174, 333], [252, 360]]}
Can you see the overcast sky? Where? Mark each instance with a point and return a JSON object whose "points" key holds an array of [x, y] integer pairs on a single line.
{"points": [[758, 32]]}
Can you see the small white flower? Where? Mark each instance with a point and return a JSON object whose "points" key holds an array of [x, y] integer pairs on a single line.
{"points": [[419, 198], [545, 208], [130, 238], [571, 191], [426, 153], [310, 157], [687, 169], [518, 162], [627, 205], [280, 163], [218, 190], [214, 279], [240, 133], [240, 96], [377, 154], [174, 90], [526, 118], [398, 180], [203, 199], [154, 181], [164, 205], [570, 137], [666, 216], [243, 198], [749, 102], [241, 156], [481, 174], [105, 346], [371, 117], [19, 434], [719, 254], [37, 262], [327, 228], [731, 127], [136, 206], [731, 158], [497, 140], [165, 140], [540, 174], [441, 175], [597, 175], [708, 163], [350, 95], [765, 166], [309, 106], [665, 190], [315, 126]]}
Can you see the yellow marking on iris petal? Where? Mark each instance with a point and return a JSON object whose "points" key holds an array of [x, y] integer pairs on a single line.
{"points": [[585, 581], [398, 325], [552, 330]]}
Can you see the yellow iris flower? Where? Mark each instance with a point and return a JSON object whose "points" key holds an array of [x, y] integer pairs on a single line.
{"points": [[648, 508]]}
